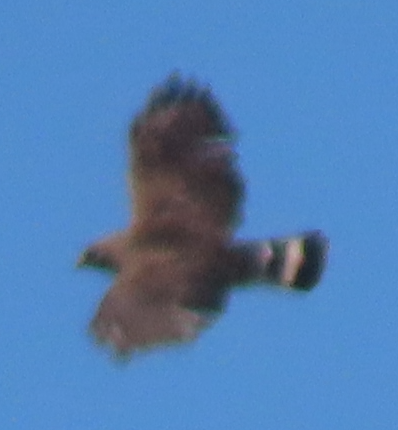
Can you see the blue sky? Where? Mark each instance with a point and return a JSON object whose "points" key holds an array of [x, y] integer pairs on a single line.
{"points": [[312, 88]]}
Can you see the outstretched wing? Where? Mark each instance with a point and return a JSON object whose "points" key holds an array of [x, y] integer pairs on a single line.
{"points": [[148, 304], [127, 323], [182, 157]]}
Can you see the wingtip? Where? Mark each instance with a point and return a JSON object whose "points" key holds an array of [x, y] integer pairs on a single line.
{"points": [[175, 89]]}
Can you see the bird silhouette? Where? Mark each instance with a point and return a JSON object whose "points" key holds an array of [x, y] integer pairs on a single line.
{"points": [[176, 263]]}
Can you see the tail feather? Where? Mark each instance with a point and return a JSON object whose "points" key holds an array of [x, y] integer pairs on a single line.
{"points": [[295, 262]]}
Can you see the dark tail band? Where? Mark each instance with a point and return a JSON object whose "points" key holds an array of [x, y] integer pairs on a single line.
{"points": [[295, 262]]}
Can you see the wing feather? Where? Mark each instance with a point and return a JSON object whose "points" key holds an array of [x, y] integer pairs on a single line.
{"points": [[182, 158]]}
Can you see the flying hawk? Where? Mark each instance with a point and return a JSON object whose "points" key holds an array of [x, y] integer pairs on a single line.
{"points": [[177, 261]]}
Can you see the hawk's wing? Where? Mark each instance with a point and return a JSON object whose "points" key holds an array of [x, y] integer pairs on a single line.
{"points": [[128, 323], [148, 304], [182, 160]]}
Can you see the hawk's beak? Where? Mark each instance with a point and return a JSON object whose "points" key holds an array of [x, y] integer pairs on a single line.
{"points": [[81, 261]]}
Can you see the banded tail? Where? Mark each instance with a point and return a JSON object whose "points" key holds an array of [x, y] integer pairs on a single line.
{"points": [[296, 262]]}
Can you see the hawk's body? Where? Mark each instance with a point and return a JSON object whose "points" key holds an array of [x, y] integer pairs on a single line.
{"points": [[176, 262]]}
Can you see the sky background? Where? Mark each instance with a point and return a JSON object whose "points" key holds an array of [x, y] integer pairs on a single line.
{"points": [[312, 87]]}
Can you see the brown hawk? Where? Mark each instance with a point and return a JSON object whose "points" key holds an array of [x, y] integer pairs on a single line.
{"points": [[175, 265]]}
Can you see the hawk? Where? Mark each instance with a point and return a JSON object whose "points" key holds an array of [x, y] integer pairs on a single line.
{"points": [[176, 263]]}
